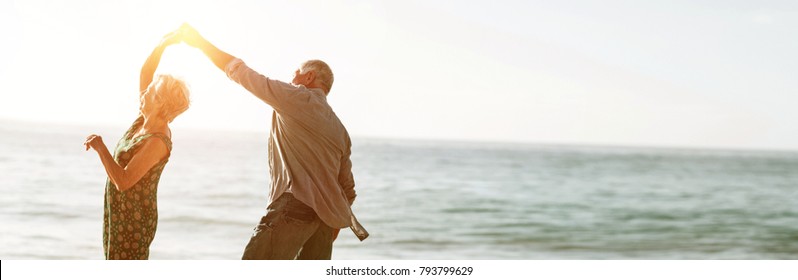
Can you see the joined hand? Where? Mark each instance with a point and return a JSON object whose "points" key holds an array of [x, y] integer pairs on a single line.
{"points": [[189, 35]]}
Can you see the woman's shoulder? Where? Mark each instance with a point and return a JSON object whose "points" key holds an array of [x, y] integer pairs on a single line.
{"points": [[165, 136], [144, 137]]}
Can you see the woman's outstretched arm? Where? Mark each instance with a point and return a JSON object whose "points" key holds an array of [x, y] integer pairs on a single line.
{"points": [[151, 64]]}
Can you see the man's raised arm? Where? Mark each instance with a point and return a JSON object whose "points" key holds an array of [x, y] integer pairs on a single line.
{"points": [[280, 95], [193, 38]]}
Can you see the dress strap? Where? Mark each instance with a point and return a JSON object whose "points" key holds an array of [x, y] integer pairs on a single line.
{"points": [[134, 127], [165, 140]]}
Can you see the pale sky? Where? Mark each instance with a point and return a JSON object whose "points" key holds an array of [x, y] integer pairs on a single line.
{"points": [[720, 74]]}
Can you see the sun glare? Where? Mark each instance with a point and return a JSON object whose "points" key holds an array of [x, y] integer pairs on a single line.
{"points": [[180, 60]]}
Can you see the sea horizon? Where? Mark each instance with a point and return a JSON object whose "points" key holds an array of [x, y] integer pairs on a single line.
{"points": [[466, 142]]}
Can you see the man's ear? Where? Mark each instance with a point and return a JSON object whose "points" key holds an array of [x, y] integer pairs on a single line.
{"points": [[311, 76]]}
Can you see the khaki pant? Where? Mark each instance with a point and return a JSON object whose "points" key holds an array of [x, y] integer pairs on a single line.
{"points": [[290, 230]]}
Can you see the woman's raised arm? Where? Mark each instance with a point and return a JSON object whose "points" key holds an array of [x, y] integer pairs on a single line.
{"points": [[151, 64]]}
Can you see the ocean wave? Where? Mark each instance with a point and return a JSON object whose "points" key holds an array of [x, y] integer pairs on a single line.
{"points": [[472, 210], [55, 215], [196, 220]]}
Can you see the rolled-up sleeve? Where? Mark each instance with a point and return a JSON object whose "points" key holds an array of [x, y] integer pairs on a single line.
{"points": [[231, 66]]}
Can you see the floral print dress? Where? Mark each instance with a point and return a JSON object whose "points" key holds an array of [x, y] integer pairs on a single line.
{"points": [[130, 218]]}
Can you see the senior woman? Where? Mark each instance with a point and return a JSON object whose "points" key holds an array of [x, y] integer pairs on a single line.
{"points": [[131, 212]]}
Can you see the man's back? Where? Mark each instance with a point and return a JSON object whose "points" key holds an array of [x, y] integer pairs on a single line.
{"points": [[309, 152], [309, 147]]}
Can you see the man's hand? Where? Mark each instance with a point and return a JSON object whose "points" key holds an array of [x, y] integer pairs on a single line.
{"points": [[191, 37]]}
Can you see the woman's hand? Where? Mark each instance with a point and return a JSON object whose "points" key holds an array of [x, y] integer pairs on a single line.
{"points": [[94, 141], [171, 38], [151, 64]]}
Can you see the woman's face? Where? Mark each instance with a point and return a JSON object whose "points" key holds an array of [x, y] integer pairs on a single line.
{"points": [[148, 105]]}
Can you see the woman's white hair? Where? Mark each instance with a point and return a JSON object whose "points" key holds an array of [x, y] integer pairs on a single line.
{"points": [[323, 73], [172, 94]]}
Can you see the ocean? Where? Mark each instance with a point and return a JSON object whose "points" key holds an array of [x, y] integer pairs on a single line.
{"points": [[418, 199]]}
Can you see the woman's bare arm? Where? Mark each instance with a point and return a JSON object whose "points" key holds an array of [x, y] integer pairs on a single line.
{"points": [[125, 177], [151, 64]]}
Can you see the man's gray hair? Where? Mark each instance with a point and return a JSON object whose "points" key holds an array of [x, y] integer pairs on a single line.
{"points": [[323, 73]]}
